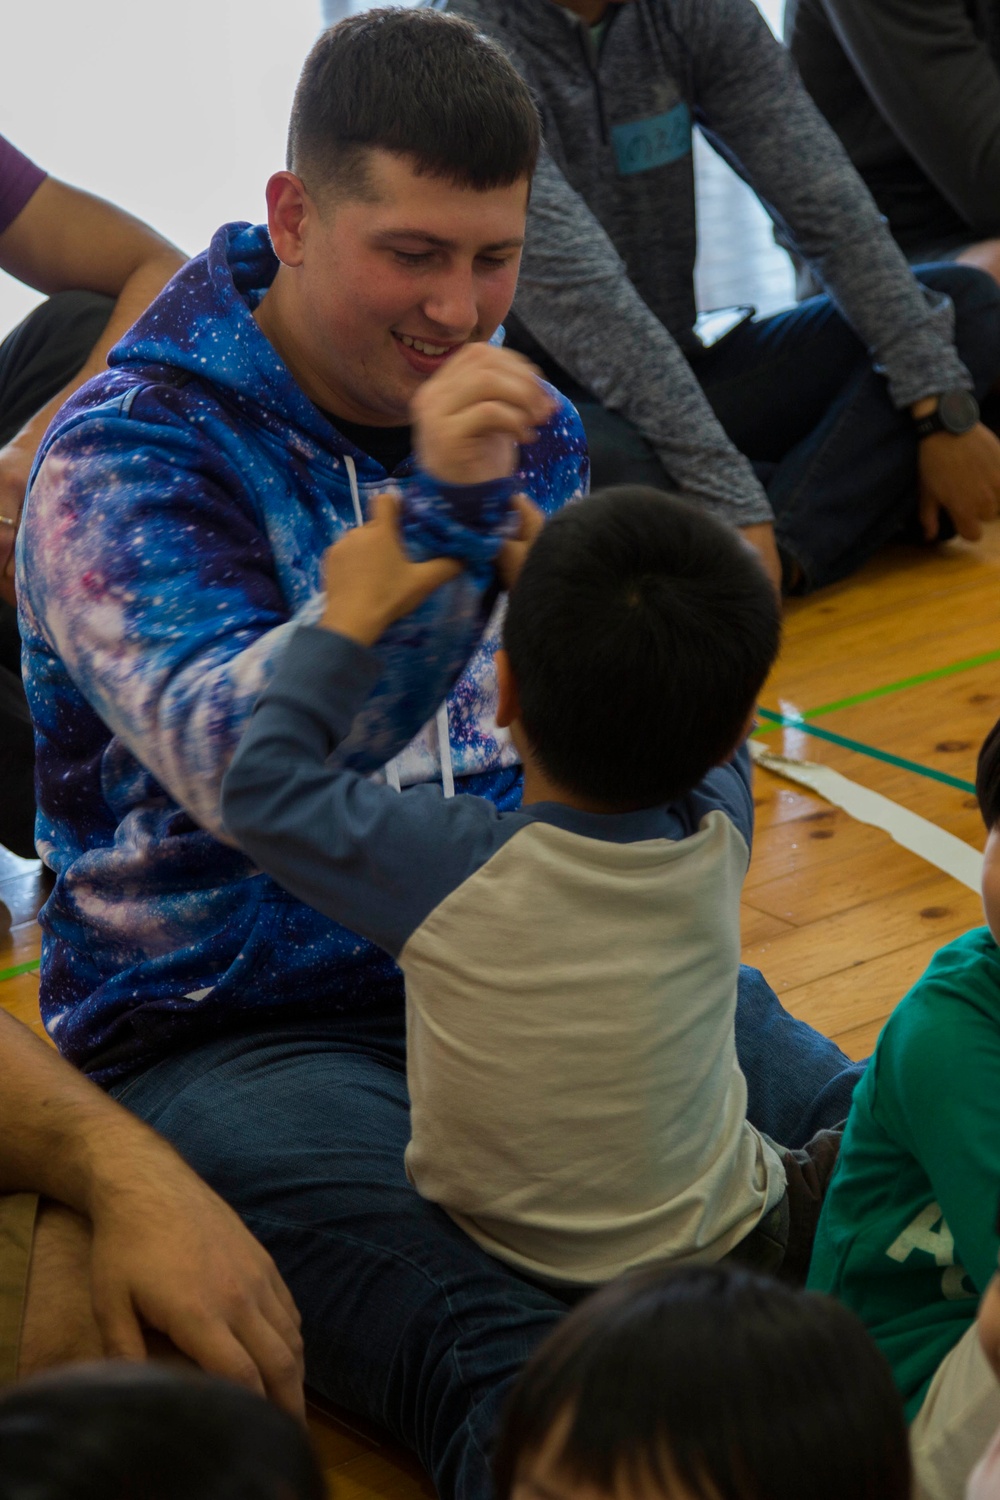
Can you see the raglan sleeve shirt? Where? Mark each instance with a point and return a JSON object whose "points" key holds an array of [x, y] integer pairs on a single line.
{"points": [[934, 80]]}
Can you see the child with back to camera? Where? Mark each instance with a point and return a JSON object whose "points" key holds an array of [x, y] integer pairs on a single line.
{"points": [[571, 967], [704, 1383]]}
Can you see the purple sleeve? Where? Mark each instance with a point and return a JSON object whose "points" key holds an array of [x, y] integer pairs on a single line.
{"points": [[19, 178]]}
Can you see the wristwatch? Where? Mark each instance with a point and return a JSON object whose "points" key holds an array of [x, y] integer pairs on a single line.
{"points": [[957, 412]]}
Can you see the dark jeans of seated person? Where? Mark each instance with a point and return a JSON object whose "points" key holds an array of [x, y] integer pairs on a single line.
{"points": [[36, 360], [797, 394]]}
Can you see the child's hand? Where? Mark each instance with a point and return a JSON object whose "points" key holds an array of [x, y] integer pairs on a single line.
{"points": [[370, 581], [515, 549], [469, 418]]}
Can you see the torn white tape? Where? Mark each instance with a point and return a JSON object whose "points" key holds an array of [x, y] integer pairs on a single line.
{"points": [[943, 850]]}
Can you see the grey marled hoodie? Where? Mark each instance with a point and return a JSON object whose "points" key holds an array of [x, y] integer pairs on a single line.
{"points": [[607, 284]]}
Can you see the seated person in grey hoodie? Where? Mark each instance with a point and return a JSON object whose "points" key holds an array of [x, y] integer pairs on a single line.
{"points": [[913, 91], [823, 431], [571, 967]]}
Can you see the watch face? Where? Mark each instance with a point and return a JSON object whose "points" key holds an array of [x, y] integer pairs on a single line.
{"points": [[958, 411]]}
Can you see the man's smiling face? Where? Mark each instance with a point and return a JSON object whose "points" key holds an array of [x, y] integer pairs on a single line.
{"points": [[375, 293]]}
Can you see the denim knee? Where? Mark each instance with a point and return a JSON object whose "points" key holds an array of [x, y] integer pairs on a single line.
{"points": [[976, 299]]}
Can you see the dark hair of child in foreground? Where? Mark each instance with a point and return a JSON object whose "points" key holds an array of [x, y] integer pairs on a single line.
{"points": [[124, 1431], [704, 1383]]}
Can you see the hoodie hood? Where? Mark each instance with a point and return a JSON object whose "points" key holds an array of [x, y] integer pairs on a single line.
{"points": [[202, 323]]}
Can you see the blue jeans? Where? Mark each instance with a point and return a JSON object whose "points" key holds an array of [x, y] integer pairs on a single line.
{"points": [[406, 1320], [797, 394]]}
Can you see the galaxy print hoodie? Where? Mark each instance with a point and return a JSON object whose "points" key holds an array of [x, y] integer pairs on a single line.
{"points": [[173, 537]]}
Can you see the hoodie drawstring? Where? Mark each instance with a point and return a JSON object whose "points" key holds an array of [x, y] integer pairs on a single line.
{"points": [[391, 768], [444, 751]]}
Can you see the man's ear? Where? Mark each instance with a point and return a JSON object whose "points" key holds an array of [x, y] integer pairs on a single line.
{"points": [[508, 703], [288, 206]]}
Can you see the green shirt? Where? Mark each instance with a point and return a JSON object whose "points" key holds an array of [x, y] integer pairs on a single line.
{"points": [[907, 1237]]}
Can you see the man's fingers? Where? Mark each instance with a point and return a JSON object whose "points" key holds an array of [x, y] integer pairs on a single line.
{"points": [[929, 518], [385, 509], [532, 520], [217, 1350], [282, 1295], [425, 577], [278, 1363], [968, 527], [119, 1327], [491, 417], [515, 387]]}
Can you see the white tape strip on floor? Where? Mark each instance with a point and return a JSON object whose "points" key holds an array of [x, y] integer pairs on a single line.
{"points": [[943, 850]]}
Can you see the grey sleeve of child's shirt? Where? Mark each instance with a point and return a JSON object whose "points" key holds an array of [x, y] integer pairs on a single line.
{"points": [[376, 860], [729, 788]]}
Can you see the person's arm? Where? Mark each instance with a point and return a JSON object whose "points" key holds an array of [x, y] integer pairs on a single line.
{"points": [[161, 597], [729, 788], [62, 240], [572, 288], [376, 860], [757, 113], [935, 82], [167, 1253]]}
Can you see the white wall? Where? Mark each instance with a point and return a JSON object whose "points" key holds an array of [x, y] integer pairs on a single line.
{"points": [[176, 111]]}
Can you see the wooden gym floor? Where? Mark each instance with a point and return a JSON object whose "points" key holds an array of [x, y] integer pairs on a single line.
{"points": [[840, 919]]}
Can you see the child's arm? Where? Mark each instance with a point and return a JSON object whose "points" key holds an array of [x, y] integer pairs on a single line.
{"points": [[729, 788], [376, 860]]}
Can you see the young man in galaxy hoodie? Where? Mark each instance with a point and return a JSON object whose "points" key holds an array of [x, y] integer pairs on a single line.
{"points": [[173, 541]]}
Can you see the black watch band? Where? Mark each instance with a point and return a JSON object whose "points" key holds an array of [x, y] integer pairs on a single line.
{"points": [[957, 412]]}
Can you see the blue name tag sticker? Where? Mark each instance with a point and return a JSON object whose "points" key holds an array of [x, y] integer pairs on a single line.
{"points": [[642, 145]]}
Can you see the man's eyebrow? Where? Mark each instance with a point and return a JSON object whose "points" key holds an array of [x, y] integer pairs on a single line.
{"points": [[426, 238]]}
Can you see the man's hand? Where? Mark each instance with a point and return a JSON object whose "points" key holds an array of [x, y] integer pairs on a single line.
{"points": [[167, 1253], [370, 581], [761, 539], [962, 476], [15, 466], [470, 418], [510, 559]]}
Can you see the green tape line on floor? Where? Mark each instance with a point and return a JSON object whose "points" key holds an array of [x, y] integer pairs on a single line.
{"points": [[786, 722], [904, 682], [20, 969]]}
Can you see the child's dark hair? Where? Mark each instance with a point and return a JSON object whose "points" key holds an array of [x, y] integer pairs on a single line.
{"points": [[419, 84], [988, 778], [717, 1379], [640, 632], [145, 1432]]}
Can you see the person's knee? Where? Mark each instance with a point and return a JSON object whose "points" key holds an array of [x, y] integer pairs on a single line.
{"points": [[976, 299]]}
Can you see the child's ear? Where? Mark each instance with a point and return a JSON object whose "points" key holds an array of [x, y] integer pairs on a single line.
{"points": [[749, 726], [508, 704]]}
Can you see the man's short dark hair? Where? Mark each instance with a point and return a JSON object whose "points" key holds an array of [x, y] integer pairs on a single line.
{"points": [[639, 634], [418, 84], [988, 778], [714, 1379]]}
